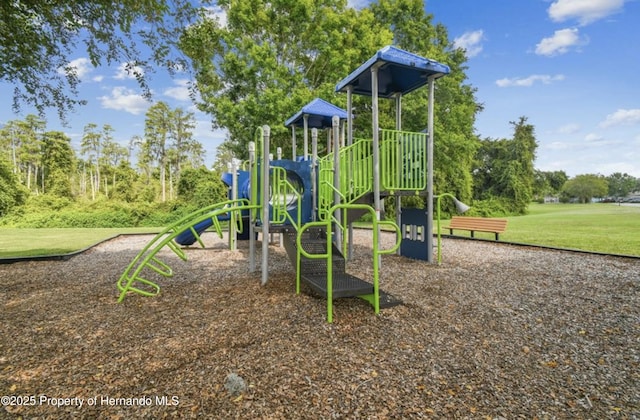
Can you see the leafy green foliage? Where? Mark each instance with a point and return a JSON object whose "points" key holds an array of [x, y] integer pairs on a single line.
{"points": [[455, 104], [621, 184], [201, 187], [58, 161], [261, 68], [12, 194], [37, 39], [548, 183], [585, 187], [504, 169]]}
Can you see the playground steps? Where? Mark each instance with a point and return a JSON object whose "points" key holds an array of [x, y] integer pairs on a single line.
{"points": [[314, 271]]}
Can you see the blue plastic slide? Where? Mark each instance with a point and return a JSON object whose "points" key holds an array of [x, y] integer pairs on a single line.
{"points": [[188, 238]]}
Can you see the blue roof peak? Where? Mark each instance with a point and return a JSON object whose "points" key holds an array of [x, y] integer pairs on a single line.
{"points": [[320, 113], [399, 71]]}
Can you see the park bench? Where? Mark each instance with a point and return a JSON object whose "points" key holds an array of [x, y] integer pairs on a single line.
{"points": [[477, 224]]}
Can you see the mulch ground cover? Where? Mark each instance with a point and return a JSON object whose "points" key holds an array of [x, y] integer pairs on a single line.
{"points": [[496, 331]]}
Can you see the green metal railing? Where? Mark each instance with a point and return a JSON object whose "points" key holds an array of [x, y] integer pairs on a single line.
{"points": [[374, 298], [403, 167], [132, 281], [356, 175], [283, 194], [403, 160]]}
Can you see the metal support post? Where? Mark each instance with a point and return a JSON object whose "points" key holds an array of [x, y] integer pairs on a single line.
{"points": [[233, 168], [431, 82], [265, 204], [349, 143], [293, 143], [252, 213], [314, 169], [305, 119], [400, 149]]}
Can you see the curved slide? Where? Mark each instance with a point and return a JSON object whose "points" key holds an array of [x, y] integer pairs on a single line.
{"points": [[187, 237]]}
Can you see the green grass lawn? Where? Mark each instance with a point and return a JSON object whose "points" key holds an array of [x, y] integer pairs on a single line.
{"points": [[607, 228], [45, 241], [599, 227]]}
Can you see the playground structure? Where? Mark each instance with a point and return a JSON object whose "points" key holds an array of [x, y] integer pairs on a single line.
{"points": [[311, 200]]}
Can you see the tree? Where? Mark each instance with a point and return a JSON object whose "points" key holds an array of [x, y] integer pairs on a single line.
{"points": [[12, 193], [58, 163], [169, 143], [37, 39], [548, 183], [455, 104], [112, 155], [22, 141], [157, 130], [504, 168], [260, 68], [586, 187], [620, 185], [201, 187], [185, 150], [91, 148]]}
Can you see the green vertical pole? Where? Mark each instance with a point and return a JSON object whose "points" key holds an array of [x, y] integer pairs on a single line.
{"points": [[377, 206], [335, 124]]}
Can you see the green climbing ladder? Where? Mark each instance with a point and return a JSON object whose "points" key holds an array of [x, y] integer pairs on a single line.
{"points": [[132, 280]]}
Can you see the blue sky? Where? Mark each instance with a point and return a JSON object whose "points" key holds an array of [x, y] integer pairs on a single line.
{"points": [[570, 66]]}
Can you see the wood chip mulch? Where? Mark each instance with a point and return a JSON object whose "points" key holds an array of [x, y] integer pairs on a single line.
{"points": [[497, 331]]}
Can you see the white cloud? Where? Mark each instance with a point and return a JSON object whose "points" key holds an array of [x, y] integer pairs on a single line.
{"points": [[569, 129], [80, 66], [560, 42], [180, 91], [622, 117], [585, 11], [597, 140], [593, 138], [558, 145], [98, 79], [529, 81], [123, 99], [218, 13], [471, 42], [622, 167], [128, 71]]}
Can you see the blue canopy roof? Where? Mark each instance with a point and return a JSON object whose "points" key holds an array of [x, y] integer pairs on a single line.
{"points": [[320, 113], [399, 72]]}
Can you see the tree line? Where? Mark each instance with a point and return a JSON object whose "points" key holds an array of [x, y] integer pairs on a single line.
{"points": [[249, 69], [37, 162]]}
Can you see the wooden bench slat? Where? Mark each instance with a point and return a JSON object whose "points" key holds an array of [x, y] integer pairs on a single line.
{"points": [[477, 224]]}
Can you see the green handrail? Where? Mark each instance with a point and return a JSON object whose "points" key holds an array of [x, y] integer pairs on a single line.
{"points": [[356, 175], [326, 224], [281, 191], [403, 167]]}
